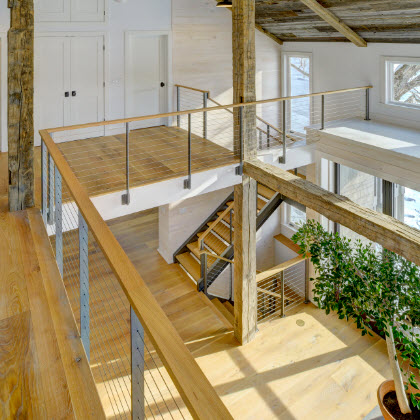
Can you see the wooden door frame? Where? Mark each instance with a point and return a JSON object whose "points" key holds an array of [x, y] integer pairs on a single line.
{"points": [[72, 34], [169, 69]]}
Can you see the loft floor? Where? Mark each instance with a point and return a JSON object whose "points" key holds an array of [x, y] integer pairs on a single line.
{"points": [[382, 149], [156, 154]]}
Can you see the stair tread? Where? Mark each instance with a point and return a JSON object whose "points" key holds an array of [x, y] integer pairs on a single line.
{"points": [[219, 305], [226, 217], [194, 248], [214, 243], [229, 307], [222, 230], [190, 264], [265, 192], [260, 203]]}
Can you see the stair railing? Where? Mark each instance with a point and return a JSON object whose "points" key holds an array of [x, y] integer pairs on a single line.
{"points": [[158, 373]]}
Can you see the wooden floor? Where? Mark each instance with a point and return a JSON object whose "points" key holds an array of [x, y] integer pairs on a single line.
{"points": [[304, 365], [156, 154], [44, 373]]}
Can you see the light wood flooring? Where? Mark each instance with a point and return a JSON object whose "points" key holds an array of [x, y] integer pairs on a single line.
{"points": [[44, 372], [305, 366], [156, 154]]}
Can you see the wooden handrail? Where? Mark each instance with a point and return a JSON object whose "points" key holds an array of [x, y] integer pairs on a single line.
{"points": [[191, 88], [287, 242], [216, 256], [193, 386], [213, 224], [279, 268], [264, 122], [197, 111]]}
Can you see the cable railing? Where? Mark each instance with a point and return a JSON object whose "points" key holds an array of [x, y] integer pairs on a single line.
{"points": [[282, 288], [140, 364], [177, 145]]}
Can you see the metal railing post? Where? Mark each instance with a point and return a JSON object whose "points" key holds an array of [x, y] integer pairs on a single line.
{"points": [[307, 280], [268, 136], [125, 199], [282, 295], [260, 138], [187, 182], [178, 106], [44, 181], [84, 284], [204, 264], [58, 221], [282, 159], [205, 98], [322, 112], [50, 216], [239, 169], [367, 105], [137, 367]]}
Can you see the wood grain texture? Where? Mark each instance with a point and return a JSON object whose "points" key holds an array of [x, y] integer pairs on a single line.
{"points": [[335, 22], [384, 230], [20, 104], [195, 389]]}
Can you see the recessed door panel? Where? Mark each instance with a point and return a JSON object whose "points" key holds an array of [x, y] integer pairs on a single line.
{"points": [[52, 81], [146, 70], [87, 10], [52, 10]]}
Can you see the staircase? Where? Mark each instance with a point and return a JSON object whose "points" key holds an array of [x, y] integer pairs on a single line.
{"points": [[218, 238]]}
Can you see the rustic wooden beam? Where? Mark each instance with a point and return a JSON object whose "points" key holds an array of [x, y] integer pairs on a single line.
{"points": [[335, 22], [380, 228], [245, 212], [20, 104]]}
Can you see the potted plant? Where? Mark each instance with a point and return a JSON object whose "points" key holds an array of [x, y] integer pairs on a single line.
{"points": [[376, 288]]}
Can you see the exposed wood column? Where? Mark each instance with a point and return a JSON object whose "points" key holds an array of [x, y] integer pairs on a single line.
{"points": [[20, 104], [245, 287]]}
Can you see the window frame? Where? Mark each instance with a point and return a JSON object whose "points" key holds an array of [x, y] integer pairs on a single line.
{"points": [[388, 86]]}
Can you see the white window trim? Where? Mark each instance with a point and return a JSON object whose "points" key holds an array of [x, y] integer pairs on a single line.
{"points": [[387, 85]]}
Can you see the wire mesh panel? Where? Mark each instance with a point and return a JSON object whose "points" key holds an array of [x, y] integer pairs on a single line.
{"points": [[130, 377], [280, 293]]}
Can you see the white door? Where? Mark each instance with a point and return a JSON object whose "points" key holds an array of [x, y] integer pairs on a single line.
{"points": [[87, 10], [52, 83], [146, 82], [87, 84], [69, 84], [52, 10]]}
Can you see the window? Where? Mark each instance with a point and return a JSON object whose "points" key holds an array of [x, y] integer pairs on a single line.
{"points": [[298, 81], [402, 81], [294, 217], [407, 206]]}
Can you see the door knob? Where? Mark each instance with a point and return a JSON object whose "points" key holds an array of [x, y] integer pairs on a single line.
{"points": [[162, 84], [66, 94], [73, 93]]}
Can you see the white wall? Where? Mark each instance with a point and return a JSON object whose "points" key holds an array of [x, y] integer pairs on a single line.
{"points": [[141, 15], [342, 65], [202, 51]]}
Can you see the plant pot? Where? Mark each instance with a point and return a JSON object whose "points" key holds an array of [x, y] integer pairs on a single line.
{"points": [[384, 388]]}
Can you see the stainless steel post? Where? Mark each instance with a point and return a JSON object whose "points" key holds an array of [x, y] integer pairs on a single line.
{"points": [[367, 105], [44, 181], [282, 295], [137, 367], [307, 280], [125, 199], [187, 182], [282, 159], [51, 191], [205, 98], [178, 106], [58, 222], [239, 169], [268, 136], [84, 284], [322, 112]]}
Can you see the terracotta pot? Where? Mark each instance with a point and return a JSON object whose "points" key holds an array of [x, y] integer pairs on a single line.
{"points": [[383, 389]]}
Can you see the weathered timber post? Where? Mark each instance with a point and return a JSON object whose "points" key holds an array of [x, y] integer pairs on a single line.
{"points": [[245, 287], [20, 104]]}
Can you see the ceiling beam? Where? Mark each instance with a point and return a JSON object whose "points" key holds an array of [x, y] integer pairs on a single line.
{"points": [[335, 22]]}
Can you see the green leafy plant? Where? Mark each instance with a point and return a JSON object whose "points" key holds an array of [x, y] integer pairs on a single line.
{"points": [[368, 286]]}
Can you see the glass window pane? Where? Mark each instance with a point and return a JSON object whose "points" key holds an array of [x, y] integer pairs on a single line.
{"points": [[407, 206], [297, 217], [406, 83], [299, 71]]}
